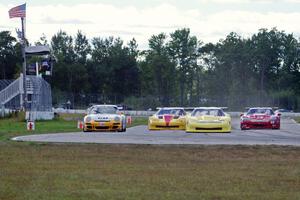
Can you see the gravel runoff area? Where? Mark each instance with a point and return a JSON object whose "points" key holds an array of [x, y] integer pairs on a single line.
{"points": [[289, 134]]}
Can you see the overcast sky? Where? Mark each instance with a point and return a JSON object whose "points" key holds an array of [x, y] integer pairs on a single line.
{"points": [[209, 20]]}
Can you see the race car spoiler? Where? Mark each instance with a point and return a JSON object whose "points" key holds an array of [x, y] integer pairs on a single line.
{"points": [[191, 108], [263, 107]]}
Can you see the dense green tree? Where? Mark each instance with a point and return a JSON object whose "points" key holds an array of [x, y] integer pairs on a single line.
{"points": [[232, 75], [266, 50], [10, 56], [159, 70], [183, 49], [115, 69], [263, 69], [70, 72], [82, 48], [63, 47]]}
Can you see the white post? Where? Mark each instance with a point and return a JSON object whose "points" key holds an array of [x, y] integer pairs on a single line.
{"points": [[21, 89], [37, 68]]}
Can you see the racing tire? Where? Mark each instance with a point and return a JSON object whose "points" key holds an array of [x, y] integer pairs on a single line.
{"points": [[122, 130]]}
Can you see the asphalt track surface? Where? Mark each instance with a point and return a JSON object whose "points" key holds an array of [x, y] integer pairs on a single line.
{"points": [[289, 134]]}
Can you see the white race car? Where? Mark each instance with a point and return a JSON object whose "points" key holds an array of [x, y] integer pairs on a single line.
{"points": [[104, 118]]}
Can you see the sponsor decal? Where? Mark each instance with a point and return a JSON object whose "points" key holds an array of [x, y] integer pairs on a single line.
{"points": [[168, 119]]}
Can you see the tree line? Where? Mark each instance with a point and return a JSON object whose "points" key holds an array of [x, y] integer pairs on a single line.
{"points": [[176, 69]]}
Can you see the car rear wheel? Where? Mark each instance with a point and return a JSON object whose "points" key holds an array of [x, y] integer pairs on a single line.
{"points": [[122, 130]]}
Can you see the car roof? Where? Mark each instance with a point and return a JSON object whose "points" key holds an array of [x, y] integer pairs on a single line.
{"points": [[261, 108], [170, 108], [104, 105], [212, 108]]}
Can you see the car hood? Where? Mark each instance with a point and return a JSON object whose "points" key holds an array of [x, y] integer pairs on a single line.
{"points": [[168, 116], [102, 116], [259, 116], [209, 118]]}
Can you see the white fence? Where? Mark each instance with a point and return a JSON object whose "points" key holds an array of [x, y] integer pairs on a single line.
{"points": [[39, 115]]}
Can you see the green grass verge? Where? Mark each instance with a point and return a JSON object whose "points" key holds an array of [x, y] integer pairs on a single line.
{"points": [[32, 171], [136, 121], [297, 119], [12, 127]]}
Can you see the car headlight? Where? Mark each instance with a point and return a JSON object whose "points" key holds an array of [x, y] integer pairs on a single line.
{"points": [[88, 119], [154, 119], [273, 119], [246, 119], [117, 119]]}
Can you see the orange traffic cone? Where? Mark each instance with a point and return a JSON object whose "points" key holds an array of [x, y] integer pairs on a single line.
{"points": [[80, 124]]}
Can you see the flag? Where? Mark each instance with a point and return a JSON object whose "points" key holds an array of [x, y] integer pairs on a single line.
{"points": [[18, 11]]}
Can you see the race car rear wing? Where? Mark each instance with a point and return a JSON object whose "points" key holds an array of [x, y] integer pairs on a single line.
{"points": [[190, 109], [274, 108]]}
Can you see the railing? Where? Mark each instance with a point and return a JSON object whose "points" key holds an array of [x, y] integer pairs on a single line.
{"points": [[11, 91], [29, 86], [41, 99]]}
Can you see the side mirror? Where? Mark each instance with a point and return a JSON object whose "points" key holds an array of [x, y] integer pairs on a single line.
{"points": [[279, 114], [241, 115]]}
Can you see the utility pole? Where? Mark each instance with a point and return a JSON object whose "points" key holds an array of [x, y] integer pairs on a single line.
{"points": [[20, 12], [23, 42]]}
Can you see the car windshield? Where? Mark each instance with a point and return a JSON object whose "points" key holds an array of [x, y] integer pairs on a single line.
{"points": [[103, 110], [210, 112], [260, 111], [171, 112]]}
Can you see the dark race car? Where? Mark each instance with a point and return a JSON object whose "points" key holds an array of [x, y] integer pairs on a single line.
{"points": [[260, 118]]}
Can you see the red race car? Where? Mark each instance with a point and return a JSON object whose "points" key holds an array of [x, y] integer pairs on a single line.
{"points": [[260, 118]]}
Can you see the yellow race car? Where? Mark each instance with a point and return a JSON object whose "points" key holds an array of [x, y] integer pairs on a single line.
{"points": [[104, 118], [172, 118], [208, 119]]}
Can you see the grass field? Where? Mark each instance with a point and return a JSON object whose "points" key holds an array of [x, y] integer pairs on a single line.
{"points": [[12, 127], [297, 119], [36, 171]]}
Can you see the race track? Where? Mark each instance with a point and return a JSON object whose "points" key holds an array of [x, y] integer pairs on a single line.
{"points": [[289, 134]]}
